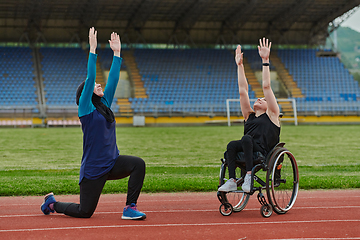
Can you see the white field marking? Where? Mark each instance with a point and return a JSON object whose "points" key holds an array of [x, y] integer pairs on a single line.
{"points": [[174, 225], [314, 238], [178, 211]]}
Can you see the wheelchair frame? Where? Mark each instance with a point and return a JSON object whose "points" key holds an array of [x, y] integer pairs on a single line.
{"points": [[281, 187]]}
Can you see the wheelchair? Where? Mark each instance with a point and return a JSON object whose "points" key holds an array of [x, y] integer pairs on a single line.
{"points": [[281, 184]]}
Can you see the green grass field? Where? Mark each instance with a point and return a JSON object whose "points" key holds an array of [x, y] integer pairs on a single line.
{"points": [[39, 160]]}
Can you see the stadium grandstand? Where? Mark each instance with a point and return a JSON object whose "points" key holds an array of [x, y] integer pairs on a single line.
{"points": [[178, 59]]}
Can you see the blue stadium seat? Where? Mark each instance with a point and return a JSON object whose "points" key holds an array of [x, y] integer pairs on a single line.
{"points": [[197, 76], [17, 78], [63, 70], [322, 79]]}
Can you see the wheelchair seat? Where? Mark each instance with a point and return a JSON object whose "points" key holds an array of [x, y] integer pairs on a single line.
{"points": [[258, 158]]}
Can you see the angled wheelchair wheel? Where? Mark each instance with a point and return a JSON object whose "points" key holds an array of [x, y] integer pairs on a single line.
{"points": [[226, 209], [238, 200], [282, 180], [266, 210]]}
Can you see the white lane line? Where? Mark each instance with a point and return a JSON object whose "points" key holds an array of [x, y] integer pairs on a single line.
{"points": [[174, 225], [143, 202], [314, 238], [113, 212], [179, 211]]}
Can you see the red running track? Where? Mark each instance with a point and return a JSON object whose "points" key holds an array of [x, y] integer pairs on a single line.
{"points": [[317, 214]]}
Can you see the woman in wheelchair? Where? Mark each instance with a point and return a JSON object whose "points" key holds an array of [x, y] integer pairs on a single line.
{"points": [[261, 123]]}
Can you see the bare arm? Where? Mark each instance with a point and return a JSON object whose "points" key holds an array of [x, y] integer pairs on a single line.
{"points": [[85, 104], [115, 44], [273, 110], [114, 74], [92, 40], [243, 85]]}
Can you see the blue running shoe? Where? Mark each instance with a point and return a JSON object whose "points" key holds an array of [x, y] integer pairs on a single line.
{"points": [[131, 213], [49, 199]]}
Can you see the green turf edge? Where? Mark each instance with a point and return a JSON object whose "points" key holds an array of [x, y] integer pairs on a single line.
{"points": [[164, 179]]}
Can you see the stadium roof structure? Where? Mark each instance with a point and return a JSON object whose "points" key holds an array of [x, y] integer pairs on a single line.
{"points": [[192, 22]]}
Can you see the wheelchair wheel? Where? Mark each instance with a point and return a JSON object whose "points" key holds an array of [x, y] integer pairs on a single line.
{"points": [[238, 200], [282, 180], [266, 210], [226, 209]]}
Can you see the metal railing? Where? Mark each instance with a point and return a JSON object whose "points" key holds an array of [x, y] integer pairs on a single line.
{"points": [[230, 108], [349, 108]]}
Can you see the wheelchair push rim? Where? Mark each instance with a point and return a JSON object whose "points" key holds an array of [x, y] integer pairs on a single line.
{"points": [[282, 181]]}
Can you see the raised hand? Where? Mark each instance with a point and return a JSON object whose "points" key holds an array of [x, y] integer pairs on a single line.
{"points": [[115, 43], [238, 56], [264, 48], [92, 39]]}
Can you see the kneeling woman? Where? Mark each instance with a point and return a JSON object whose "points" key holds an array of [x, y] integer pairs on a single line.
{"points": [[101, 160]]}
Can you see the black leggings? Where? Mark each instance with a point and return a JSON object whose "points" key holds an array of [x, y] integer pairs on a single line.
{"points": [[246, 145], [90, 190]]}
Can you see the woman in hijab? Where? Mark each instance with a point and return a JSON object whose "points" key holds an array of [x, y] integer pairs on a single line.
{"points": [[101, 160]]}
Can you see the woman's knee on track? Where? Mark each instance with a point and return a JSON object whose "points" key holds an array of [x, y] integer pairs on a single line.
{"points": [[86, 211], [86, 214]]}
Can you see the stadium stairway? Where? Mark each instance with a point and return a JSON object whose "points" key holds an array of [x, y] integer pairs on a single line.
{"points": [[139, 89], [252, 80], [125, 107], [285, 77], [287, 109], [289, 83], [100, 75]]}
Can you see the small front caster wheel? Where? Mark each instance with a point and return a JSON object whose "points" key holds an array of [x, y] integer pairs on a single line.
{"points": [[226, 209], [266, 210]]}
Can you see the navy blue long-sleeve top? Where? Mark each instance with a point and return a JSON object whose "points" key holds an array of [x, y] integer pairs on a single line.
{"points": [[99, 141]]}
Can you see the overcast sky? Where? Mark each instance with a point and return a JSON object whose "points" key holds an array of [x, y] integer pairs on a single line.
{"points": [[353, 21]]}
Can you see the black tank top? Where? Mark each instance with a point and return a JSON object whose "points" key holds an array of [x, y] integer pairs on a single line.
{"points": [[263, 130]]}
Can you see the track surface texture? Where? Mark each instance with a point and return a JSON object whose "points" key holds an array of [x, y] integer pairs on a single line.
{"points": [[320, 214]]}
